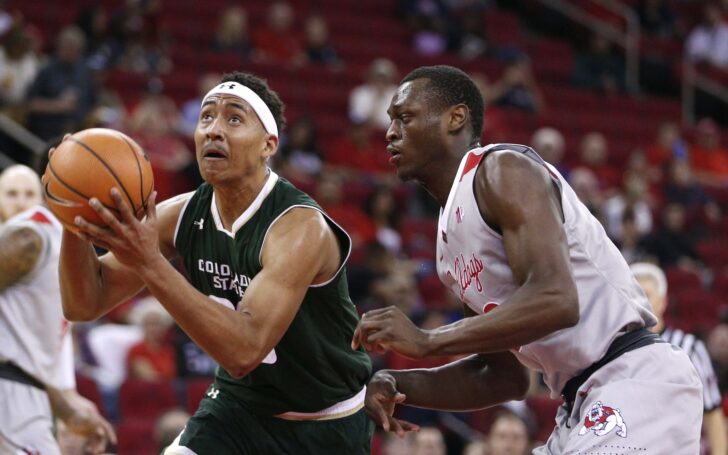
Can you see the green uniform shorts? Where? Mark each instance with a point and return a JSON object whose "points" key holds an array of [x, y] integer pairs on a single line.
{"points": [[222, 426]]}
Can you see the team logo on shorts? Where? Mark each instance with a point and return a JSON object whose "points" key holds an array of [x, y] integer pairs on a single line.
{"points": [[603, 419]]}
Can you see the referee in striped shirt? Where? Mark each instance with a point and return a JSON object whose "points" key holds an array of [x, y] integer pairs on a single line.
{"points": [[653, 282]]}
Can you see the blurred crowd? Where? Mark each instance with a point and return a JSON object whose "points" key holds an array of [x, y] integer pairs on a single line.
{"points": [[664, 202]]}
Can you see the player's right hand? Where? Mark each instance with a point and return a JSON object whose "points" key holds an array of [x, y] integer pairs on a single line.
{"points": [[381, 398], [97, 431]]}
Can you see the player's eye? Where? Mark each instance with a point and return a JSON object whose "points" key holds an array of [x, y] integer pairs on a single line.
{"points": [[235, 119]]}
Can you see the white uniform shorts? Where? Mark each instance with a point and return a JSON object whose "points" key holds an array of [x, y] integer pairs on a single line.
{"points": [[26, 425], [648, 401]]}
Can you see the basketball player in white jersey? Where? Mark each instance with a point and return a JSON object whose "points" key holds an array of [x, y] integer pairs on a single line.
{"points": [[653, 281], [36, 357], [544, 286]]}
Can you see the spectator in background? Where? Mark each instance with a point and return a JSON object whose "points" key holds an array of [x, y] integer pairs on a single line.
{"points": [[319, 49], [671, 244], [152, 358], [18, 67], [190, 111], [669, 145], [708, 41], [476, 447], [654, 284], [101, 52], [137, 30], [329, 193], [231, 34], [593, 155], [63, 92], [358, 153], [681, 188], [429, 39], [629, 242], [633, 196], [657, 18], [429, 441], [472, 41], [153, 125], [508, 435], [517, 87], [586, 186], [549, 143], [369, 102], [276, 39], [381, 208], [707, 156], [299, 156], [598, 67]]}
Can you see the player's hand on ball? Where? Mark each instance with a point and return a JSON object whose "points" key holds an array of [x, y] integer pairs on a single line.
{"points": [[381, 398]]}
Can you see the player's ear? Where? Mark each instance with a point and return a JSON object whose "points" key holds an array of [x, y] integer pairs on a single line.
{"points": [[271, 146], [458, 117]]}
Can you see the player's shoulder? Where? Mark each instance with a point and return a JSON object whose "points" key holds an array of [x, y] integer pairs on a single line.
{"points": [[172, 207]]}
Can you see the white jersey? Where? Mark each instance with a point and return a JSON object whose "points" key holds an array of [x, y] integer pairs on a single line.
{"points": [[33, 332], [472, 262]]}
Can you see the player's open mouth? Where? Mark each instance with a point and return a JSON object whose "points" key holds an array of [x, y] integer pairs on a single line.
{"points": [[213, 154]]}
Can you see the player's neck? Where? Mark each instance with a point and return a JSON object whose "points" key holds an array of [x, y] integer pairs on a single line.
{"points": [[232, 201]]}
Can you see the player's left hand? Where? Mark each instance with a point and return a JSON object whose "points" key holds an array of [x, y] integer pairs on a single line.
{"points": [[135, 243], [389, 328], [381, 398]]}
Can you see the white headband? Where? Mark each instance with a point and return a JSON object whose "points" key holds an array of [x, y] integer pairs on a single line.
{"points": [[243, 92]]}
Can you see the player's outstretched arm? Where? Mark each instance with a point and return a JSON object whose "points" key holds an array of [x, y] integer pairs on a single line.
{"points": [[475, 382], [91, 285]]}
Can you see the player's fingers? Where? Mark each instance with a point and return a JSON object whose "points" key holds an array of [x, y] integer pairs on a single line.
{"points": [[396, 426], [355, 341], [108, 430], [152, 206], [104, 213], [409, 426], [126, 213]]}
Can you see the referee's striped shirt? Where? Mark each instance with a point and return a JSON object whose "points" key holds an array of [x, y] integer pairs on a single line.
{"points": [[696, 350]]}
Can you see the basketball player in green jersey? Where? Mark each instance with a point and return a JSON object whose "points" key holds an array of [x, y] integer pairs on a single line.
{"points": [[267, 295]]}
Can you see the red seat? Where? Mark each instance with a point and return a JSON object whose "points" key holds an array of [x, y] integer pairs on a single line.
{"points": [[544, 409], [136, 437], [87, 388], [195, 391], [146, 399], [680, 279], [694, 310]]}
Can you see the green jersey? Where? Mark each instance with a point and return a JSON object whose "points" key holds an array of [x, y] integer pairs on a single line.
{"points": [[313, 366]]}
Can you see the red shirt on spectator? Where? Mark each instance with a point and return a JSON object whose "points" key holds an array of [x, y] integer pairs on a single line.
{"points": [[161, 359]]}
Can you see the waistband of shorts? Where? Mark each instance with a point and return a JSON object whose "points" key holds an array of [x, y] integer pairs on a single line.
{"points": [[339, 410], [14, 373], [622, 344]]}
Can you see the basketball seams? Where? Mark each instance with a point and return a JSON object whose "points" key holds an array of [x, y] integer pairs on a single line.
{"points": [[72, 189], [141, 174], [109, 169]]}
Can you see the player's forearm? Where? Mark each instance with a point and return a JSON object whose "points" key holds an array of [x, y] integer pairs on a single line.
{"points": [[715, 429], [80, 278], [225, 334], [475, 382], [533, 312]]}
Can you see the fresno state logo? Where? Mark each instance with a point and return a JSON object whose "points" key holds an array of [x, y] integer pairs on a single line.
{"points": [[603, 419]]}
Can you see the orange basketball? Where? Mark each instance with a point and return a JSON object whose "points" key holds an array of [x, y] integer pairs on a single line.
{"points": [[88, 164]]}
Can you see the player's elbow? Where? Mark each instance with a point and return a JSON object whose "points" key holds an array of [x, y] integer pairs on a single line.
{"points": [[76, 313], [239, 366], [568, 305]]}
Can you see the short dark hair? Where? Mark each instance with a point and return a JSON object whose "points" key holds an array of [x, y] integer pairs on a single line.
{"points": [[260, 87], [450, 86]]}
